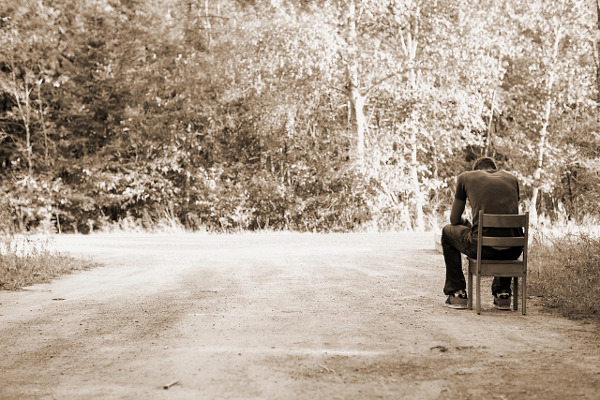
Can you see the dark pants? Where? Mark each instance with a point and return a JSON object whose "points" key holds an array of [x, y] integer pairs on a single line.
{"points": [[457, 239]]}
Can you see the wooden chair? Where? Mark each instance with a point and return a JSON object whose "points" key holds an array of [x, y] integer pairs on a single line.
{"points": [[500, 268]]}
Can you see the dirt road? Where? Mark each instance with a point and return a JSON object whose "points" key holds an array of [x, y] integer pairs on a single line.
{"points": [[278, 316]]}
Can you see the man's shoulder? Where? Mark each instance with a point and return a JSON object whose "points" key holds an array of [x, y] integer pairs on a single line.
{"points": [[472, 180], [507, 175], [466, 175], [470, 172], [479, 174]]}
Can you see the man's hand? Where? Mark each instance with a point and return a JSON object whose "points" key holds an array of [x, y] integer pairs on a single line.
{"points": [[466, 222], [458, 207]]}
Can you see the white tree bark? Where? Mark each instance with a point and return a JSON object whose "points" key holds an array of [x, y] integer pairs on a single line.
{"points": [[358, 120], [419, 219], [409, 47], [533, 214]]}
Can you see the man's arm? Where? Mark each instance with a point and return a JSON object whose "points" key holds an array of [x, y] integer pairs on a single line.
{"points": [[458, 207]]}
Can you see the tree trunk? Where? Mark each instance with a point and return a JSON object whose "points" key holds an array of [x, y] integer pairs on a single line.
{"points": [[357, 100], [43, 123], [24, 107], [488, 139], [359, 122], [597, 52], [419, 220], [409, 47], [533, 215], [207, 24]]}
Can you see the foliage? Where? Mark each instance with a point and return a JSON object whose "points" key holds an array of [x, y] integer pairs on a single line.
{"points": [[25, 261], [233, 115], [564, 272]]}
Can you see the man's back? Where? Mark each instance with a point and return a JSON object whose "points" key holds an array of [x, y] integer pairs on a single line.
{"points": [[493, 191]]}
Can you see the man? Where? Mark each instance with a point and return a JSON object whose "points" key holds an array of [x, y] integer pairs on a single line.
{"points": [[495, 192]]}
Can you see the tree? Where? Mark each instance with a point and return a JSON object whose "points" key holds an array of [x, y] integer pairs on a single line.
{"points": [[554, 36], [28, 66], [312, 115], [597, 51]]}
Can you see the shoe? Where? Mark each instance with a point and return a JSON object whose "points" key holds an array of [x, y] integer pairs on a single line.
{"points": [[502, 301], [457, 300]]}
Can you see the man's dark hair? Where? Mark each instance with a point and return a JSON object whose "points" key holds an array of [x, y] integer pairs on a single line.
{"points": [[484, 163]]}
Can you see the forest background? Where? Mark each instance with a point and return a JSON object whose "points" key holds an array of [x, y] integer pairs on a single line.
{"points": [[308, 115]]}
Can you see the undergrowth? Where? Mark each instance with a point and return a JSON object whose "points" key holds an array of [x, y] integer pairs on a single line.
{"points": [[26, 261], [564, 271]]}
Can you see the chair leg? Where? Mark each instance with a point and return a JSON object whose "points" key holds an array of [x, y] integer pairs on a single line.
{"points": [[470, 292], [477, 293], [516, 294], [524, 296]]}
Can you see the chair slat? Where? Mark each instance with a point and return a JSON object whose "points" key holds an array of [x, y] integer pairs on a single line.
{"points": [[519, 261], [503, 221], [502, 269], [503, 241], [498, 267]]}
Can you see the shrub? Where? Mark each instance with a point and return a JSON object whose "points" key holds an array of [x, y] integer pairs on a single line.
{"points": [[25, 261], [565, 272]]}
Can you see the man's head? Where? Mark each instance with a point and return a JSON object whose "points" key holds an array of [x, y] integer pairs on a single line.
{"points": [[484, 163]]}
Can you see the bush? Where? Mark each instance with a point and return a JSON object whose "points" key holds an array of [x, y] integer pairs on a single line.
{"points": [[565, 273], [25, 261]]}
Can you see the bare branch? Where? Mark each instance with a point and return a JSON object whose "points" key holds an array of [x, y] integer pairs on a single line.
{"points": [[403, 42], [382, 80]]}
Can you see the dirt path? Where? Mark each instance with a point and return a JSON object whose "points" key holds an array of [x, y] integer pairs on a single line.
{"points": [[278, 316]]}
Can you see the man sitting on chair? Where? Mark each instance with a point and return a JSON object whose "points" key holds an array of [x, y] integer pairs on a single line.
{"points": [[495, 192]]}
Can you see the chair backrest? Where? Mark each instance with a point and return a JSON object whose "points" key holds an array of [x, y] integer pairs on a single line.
{"points": [[504, 221]]}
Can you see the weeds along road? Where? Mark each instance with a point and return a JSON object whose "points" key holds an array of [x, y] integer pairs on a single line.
{"points": [[278, 316]]}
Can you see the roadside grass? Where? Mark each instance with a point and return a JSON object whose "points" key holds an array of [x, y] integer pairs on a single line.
{"points": [[25, 261], [564, 271]]}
